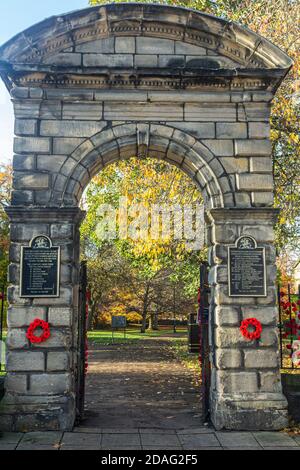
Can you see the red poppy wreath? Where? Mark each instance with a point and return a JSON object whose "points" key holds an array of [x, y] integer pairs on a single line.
{"points": [[37, 323], [254, 323]]}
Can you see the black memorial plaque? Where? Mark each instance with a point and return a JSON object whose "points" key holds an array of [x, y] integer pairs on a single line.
{"points": [[247, 269], [40, 262]]}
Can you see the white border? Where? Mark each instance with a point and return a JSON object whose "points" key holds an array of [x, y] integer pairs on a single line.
{"points": [[265, 269], [57, 295]]}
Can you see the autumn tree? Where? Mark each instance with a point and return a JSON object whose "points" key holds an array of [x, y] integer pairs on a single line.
{"points": [[5, 189]]}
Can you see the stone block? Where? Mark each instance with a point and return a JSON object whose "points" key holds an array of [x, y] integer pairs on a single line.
{"points": [[58, 361], [68, 128], [108, 60], [145, 60], [226, 316], [27, 109], [16, 383], [253, 148], [67, 59], [204, 112], [82, 111], [143, 111], [266, 315], [261, 199], [261, 165], [225, 233], [220, 147], [65, 146], [60, 338], [234, 164], [270, 382], [228, 130], [25, 232], [23, 162], [199, 130], [255, 182], [100, 46], [36, 93], [189, 49], [19, 92], [262, 233], [31, 145], [226, 337], [25, 361], [51, 163], [64, 94], [50, 384], [51, 109], [269, 338], [261, 359], [228, 358], [236, 382], [22, 198], [25, 126], [254, 112], [171, 61], [259, 130], [147, 45], [31, 181], [23, 316], [62, 231], [16, 339], [125, 45], [60, 316]]}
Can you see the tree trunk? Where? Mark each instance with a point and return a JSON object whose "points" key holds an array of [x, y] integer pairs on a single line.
{"points": [[144, 321], [155, 321]]}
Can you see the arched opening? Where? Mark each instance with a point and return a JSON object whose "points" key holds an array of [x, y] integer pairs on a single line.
{"points": [[134, 379]]}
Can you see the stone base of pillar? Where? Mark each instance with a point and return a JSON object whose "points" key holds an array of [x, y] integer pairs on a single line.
{"points": [[55, 413], [257, 412]]}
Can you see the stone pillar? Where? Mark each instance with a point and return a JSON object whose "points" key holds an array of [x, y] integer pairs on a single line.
{"points": [[246, 391], [40, 384]]}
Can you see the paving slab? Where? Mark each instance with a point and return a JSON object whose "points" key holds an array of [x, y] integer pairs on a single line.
{"points": [[8, 446], [120, 431], [154, 431], [42, 438], [201, 430], [160, 440], [81, 440], [10, 437], [274, 439], [198, 441], [120, 440], [237, 439]]}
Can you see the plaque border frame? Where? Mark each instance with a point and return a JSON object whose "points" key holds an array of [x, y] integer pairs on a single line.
{"points": [[57, 295], [265, 294]]}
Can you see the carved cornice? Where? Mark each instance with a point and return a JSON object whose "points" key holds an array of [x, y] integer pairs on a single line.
{"points": [[65, 32]]}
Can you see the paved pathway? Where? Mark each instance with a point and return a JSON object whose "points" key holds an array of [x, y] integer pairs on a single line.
{"points": [[139, 397]]}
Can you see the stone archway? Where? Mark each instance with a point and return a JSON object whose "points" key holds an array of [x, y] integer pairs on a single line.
{"points": [[108, 82]]}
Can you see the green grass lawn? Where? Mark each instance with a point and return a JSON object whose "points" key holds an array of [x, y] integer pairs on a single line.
{"points": [[132, 335]]}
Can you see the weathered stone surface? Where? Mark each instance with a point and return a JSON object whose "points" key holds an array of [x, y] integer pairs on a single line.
{"points": [[226, 130], [31, 181], [125, 45], [154, 46], [60, 316], [81, 110], [23, 316], [100, 46], [16, 383], [31, 145], [261, 165], [237, 382], [108, 60], [228, 359], [254, 182], [58, 361], [266, 315], [253, 148], [259, 359], [227, 316], [29, 361], [259, 130], [217, 113], [70, 128], [219, 147], [50, 384], [144, 60], [26, 127]]}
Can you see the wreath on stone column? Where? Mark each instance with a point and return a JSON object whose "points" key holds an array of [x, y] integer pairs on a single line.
{"points": [[256, 328], [37, 323]]}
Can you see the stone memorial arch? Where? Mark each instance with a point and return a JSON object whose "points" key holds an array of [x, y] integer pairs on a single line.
{"points": [[116, 81]]}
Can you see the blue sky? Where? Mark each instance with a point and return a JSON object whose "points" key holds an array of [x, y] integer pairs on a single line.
{"points": [[15, 16]]}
